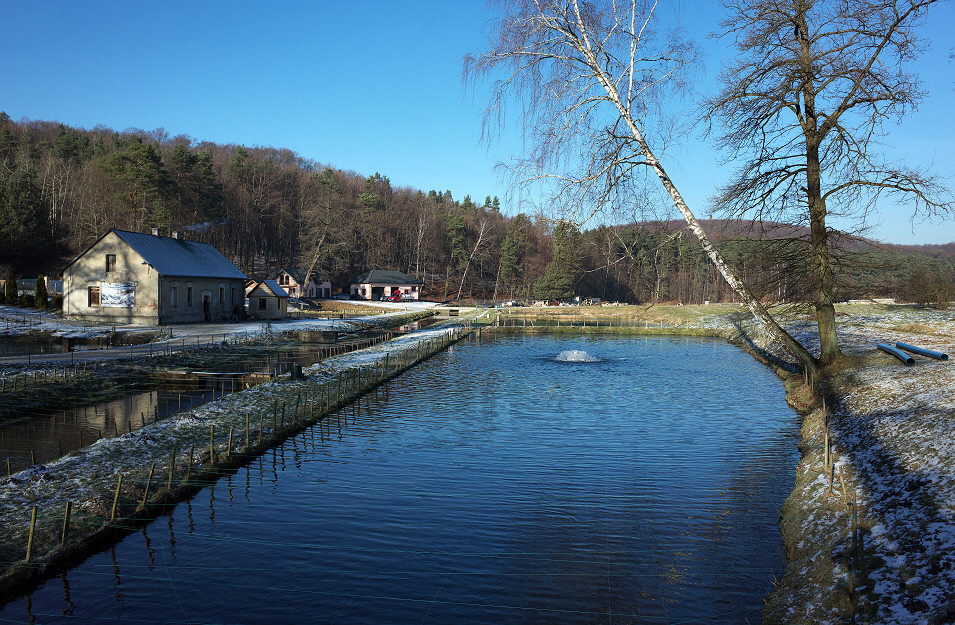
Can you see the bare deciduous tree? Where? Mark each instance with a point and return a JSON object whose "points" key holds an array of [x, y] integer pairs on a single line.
{"points": [[588, 75], [804, 106], [482, 231]]}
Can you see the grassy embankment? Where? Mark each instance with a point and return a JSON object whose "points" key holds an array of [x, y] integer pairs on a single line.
{"points": [[869, 528]]}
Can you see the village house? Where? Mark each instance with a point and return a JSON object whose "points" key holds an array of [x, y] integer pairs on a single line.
{"points": [[267, 300], [131, 277], [378, 283], [292, 279]]}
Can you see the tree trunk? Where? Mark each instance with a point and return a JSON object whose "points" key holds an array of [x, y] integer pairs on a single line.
{"points": [[820, 256], [821, 263], [759, 311]]}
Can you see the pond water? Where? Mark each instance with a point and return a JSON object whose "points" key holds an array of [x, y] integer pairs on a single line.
{"points": [[494, 483]]}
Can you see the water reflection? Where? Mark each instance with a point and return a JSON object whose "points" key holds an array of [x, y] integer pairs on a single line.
{"points": [[42, 436], [644, 488]]}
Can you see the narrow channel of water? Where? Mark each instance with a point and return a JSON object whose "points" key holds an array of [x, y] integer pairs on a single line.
{"points": [[43, 435], [494, 483]]}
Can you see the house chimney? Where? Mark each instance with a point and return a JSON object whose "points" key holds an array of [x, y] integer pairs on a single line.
{"points": [[155, 232], [175, 234]]}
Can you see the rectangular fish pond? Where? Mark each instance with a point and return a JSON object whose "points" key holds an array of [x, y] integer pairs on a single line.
{"points": [[510, 479]]}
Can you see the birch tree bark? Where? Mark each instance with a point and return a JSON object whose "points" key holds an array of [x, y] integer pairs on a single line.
{"points": [[588, 75]]}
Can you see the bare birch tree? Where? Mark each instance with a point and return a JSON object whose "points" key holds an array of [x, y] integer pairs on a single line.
{"points": [[588, 75], [482, 231], [804, 106]]}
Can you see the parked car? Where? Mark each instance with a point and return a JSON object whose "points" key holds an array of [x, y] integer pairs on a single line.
{"points": [[342, 296]]}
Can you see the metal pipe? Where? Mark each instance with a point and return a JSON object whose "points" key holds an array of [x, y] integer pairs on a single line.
{"points": [[888, 349], [921, 351]]}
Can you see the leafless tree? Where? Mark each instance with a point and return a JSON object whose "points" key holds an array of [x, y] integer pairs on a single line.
{"points": [[804, 107], [589, 76], [482, 232]]}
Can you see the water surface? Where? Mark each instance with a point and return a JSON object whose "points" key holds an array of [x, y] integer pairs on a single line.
{"points": [[492, 484]]}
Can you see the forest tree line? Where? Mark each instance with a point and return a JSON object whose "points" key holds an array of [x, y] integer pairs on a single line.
{"points": [[267, 208]]}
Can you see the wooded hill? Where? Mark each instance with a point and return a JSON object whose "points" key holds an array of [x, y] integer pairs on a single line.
{"points": [[265, 208]]}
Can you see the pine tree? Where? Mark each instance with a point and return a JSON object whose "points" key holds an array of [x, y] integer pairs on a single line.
{"points": [[12, 298], [40, 293]]}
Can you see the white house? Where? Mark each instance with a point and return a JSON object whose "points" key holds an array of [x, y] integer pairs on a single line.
{"points": [[292, 279], [378, 283]]}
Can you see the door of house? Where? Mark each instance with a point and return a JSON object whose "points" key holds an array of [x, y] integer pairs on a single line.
{"points": [[207, 306]]}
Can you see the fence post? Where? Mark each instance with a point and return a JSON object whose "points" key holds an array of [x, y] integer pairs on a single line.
{"points": [[112, 514], [66, 522], [172, 468], [30, 538], [149, 481], [212, 444], [192, 453]]}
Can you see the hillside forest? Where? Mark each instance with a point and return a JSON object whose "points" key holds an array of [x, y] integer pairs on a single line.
{"points": [[267, 208]]}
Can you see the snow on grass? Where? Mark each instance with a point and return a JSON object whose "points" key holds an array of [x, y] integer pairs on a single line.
{"points": [[894, 431]]}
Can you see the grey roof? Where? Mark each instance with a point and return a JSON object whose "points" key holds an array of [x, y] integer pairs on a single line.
{"points": [[271, 285], [297, 274], [384, 276], [180, 258]]}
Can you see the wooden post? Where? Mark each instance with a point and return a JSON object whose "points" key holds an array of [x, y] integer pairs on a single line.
{"points": [[32, 458], [248, 441], [172, 469], [8, 468], [826, 443], [30, 538], [149, 481], [212, 444], [228, 449], [66, 522], [119, 484], [261, 418], [192, 454]]}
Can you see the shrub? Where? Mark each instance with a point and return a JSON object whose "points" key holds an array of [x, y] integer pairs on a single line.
{"points": [[11, 293], [26, 300], [56, 302], [3, 297], [40, 293]]}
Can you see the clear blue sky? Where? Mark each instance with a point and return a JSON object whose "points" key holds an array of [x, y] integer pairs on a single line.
{"points": [[364, 86]]}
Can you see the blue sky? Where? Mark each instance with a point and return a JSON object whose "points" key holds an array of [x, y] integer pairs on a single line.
{"points": [[369, 86]]}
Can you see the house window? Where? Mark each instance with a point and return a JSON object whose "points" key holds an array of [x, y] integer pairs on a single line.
{"points": [[173, 296], [189, 296], [92, 296], [262, 303], [110, 263]]}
